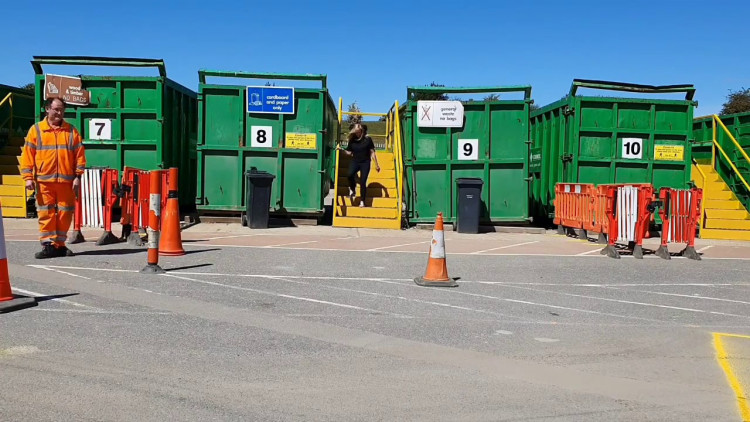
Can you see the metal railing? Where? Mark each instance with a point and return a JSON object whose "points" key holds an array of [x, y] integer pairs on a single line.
{"points": [[8, 99], [704, 186], [393, 144], [717, 145]]}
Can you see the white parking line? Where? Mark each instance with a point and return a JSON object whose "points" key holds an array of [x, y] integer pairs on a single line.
{"points": [[304, 299], [397, 246], [680, 295], [628, 302], [504, 247], [69, 302], [289, 244], [386, 296], [705, 248], [589, 252]]}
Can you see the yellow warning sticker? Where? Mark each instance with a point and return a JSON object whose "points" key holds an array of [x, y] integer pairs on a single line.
{"points": [[300, 140], [669, 152]]}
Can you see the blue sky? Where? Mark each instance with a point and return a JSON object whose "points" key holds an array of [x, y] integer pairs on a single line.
{"points": [[371, 51]]}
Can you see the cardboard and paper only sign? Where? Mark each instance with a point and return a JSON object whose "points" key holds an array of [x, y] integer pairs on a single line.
{"points": [[68, 88]]}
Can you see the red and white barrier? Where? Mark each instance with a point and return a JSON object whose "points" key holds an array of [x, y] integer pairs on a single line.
{"points": [[680, 214]]}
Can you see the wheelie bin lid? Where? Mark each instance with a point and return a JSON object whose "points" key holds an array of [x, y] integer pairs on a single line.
{"points": [[469, 181]]}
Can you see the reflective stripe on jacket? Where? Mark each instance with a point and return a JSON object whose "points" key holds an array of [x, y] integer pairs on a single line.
{"points": [[52, 155]]}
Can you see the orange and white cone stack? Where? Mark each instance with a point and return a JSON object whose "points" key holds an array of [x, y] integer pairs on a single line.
{"points": [[154, 214], [8, 302], [437, 270]]}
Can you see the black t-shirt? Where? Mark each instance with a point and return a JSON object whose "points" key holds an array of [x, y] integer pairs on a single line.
{"points": [[361, 148]]}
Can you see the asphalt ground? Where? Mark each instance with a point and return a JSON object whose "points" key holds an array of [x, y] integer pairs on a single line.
{"points": [[327, 324]]}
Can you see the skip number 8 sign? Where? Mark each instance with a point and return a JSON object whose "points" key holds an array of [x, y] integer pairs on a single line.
{"points": [[468, 149], [262, 136]]}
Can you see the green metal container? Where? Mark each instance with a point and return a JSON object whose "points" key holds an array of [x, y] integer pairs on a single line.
{"points": [[16, 112], [599, 140], [147, 122], [296, 146], [739, 126], [491, 143]]}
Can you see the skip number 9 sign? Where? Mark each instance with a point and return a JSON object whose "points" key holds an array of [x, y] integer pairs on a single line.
{"points": [[468, 149]]}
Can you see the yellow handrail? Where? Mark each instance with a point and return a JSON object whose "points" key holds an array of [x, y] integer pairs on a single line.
{"points": [[399, 160], [737, 144], [705, 193], [7, 98], [747, 186]]}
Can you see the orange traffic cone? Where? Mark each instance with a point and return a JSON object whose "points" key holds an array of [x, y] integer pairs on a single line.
{"points": [[7, 301], [170, 243], [437, 270]]}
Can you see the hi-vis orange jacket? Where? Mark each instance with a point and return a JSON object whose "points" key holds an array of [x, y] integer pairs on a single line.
{"points": [[52, 155]]}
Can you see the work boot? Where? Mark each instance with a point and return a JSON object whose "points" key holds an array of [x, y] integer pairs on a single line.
{"points": [[63, 251], [48, 251]]}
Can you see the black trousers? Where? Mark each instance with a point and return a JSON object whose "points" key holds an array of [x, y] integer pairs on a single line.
{"points": [[364, 171]]}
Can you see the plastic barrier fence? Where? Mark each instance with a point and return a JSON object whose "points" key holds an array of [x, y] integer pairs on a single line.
{"points": [[622, 213], [680, 214]]}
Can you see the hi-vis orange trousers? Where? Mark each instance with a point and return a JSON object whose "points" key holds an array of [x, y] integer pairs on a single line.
{"points": [[55, 205]]}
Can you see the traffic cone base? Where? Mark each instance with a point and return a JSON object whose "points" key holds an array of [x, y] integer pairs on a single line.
{"points": [[437, 270], [431, 283], [16, 304]]}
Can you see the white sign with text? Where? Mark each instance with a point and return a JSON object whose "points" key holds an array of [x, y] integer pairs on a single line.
{"points": [[440, 114]]}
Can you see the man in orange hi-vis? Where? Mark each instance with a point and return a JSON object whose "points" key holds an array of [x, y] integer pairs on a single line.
{"points": [[53, 160]]}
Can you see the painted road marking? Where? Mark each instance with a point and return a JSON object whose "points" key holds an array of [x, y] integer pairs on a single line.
{"points": [[705, 248], [546, 340], [397, 246], [629, 302], [504, 333], [400, 282], [504, 247], [304, 299], [386, 296], [734, 383], [288, 244], [530, 255], [681, 295], [69, 302], [95, 311], [589, 252]]}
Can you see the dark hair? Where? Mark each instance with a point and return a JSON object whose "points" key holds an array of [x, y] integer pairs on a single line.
{"points": [[364, 128], [48, 102]]}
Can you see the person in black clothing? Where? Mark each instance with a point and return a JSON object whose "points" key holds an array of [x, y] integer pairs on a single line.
{"points": [[362, 150]]}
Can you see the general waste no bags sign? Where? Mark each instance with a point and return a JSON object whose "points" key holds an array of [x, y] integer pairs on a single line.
{"points": [[440, 114], [270, 99]]}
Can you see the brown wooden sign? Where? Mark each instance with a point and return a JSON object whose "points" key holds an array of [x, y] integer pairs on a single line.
{"points": [[66, 87]]}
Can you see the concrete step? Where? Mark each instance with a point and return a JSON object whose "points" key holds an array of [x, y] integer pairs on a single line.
{"points": [[372, 202], [366, 212], [13, 201], [370, 223], [723, 195], [10, 160], [12, 180], [372, 192], [12, 190], [371, 182], [722, 234], [9, 150], [715, 204], [718, 223], [727, 214], [15, 212]]}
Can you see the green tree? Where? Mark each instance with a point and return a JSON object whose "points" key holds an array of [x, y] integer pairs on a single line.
{"points": [[737, 102], [353, 119], [492, 97], [429, 96], [29, 87]]}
